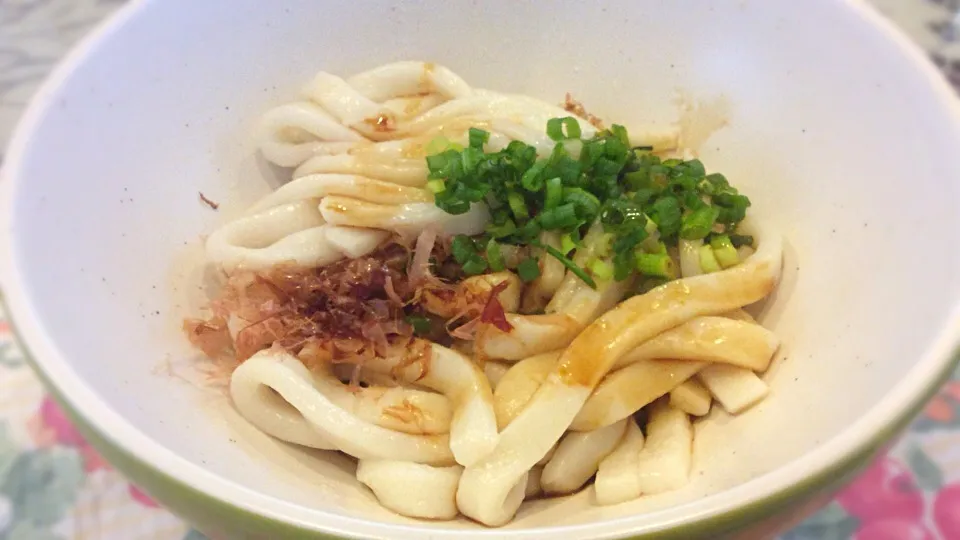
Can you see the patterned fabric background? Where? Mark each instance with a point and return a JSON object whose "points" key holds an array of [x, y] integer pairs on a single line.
{"points": [[53, 486]]}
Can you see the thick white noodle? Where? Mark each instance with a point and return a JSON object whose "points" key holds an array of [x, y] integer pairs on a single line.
{"points": [[412, 489], [617, 479], [409, 218], [541, 290], [578, 456], [406, 410], [641, 375], [295, 132], [495, 371], [263, 407], [287, 376], [471, 289], [442, 435], [518, 385], [535, 334], [710, 339], [374, 127], [473, 429], [485, 487], [289, 233], [406, 172], [317, 186], [690, 257], [534, 486]]}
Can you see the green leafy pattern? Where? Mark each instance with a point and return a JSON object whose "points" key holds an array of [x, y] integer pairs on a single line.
{"points": [[43, 484], [831, 523]]}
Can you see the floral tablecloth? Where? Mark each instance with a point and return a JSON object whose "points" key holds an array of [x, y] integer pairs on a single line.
{"points": [[54, 486]]}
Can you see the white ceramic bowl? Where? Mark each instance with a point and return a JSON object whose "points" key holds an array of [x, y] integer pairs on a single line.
{"points": [[838, 129]]}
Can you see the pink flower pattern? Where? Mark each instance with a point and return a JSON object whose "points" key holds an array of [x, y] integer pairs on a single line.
{"points": [[50, 426]]}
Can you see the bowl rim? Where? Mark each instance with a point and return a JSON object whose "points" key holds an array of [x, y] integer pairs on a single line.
{"points": [[138, 455]]}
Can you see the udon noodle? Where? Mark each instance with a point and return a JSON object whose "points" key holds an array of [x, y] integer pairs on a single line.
{"points": [[379, 306]]}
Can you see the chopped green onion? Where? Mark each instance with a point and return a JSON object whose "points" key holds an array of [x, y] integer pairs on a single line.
{"points": [[718, 180], [651, 226], [623, 265], [471, 158], [495, 256], [732, 207], [554, 193], [530, 231], [570, 265], [475, 266], [665, 212], [708, 261], [644, 204], [518, 205], [463, 248], [601, 269], [436, 145], [694, 168], [698, 224], [586, 202], [436, 185], [478, 138], [532, 180], [528, 269], [620, 133], [451, 204], [561, 217], [555, 128], [656, 265], [506, 228], [421, 324], [740, 240], [444, 164], [724, 251]]}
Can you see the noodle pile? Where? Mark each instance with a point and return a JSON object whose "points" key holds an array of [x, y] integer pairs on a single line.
{"points": [[361, 321]]}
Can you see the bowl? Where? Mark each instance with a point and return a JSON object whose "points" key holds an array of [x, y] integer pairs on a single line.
{"points": [[839, 130]]}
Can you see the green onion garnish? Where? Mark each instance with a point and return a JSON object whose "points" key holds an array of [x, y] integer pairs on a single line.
{"points": [[644, 204], [708, 261], [528, 270], [506, 228], [436, 186], [421, 325], [463, 248], [554, 193], [517, 205], [561, 217], [724, 251], [567, 244], [478, 138], [570, 265], [699, 223], [475, 266], [437, 145], [495, 256], [532, 179], [601, 269], [658, 265], [557, 126]]}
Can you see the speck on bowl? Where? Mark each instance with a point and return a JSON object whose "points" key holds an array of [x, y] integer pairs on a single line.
{"points": [[839, 130]]}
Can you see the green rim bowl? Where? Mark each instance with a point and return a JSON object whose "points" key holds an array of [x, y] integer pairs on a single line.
{"points": [[842, 133]]}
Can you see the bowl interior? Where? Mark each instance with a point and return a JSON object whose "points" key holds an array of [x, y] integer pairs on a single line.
{"points": [[832, 127]]}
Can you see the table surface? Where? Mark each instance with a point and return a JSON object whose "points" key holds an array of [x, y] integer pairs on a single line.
{"points": [[54, 486]]}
